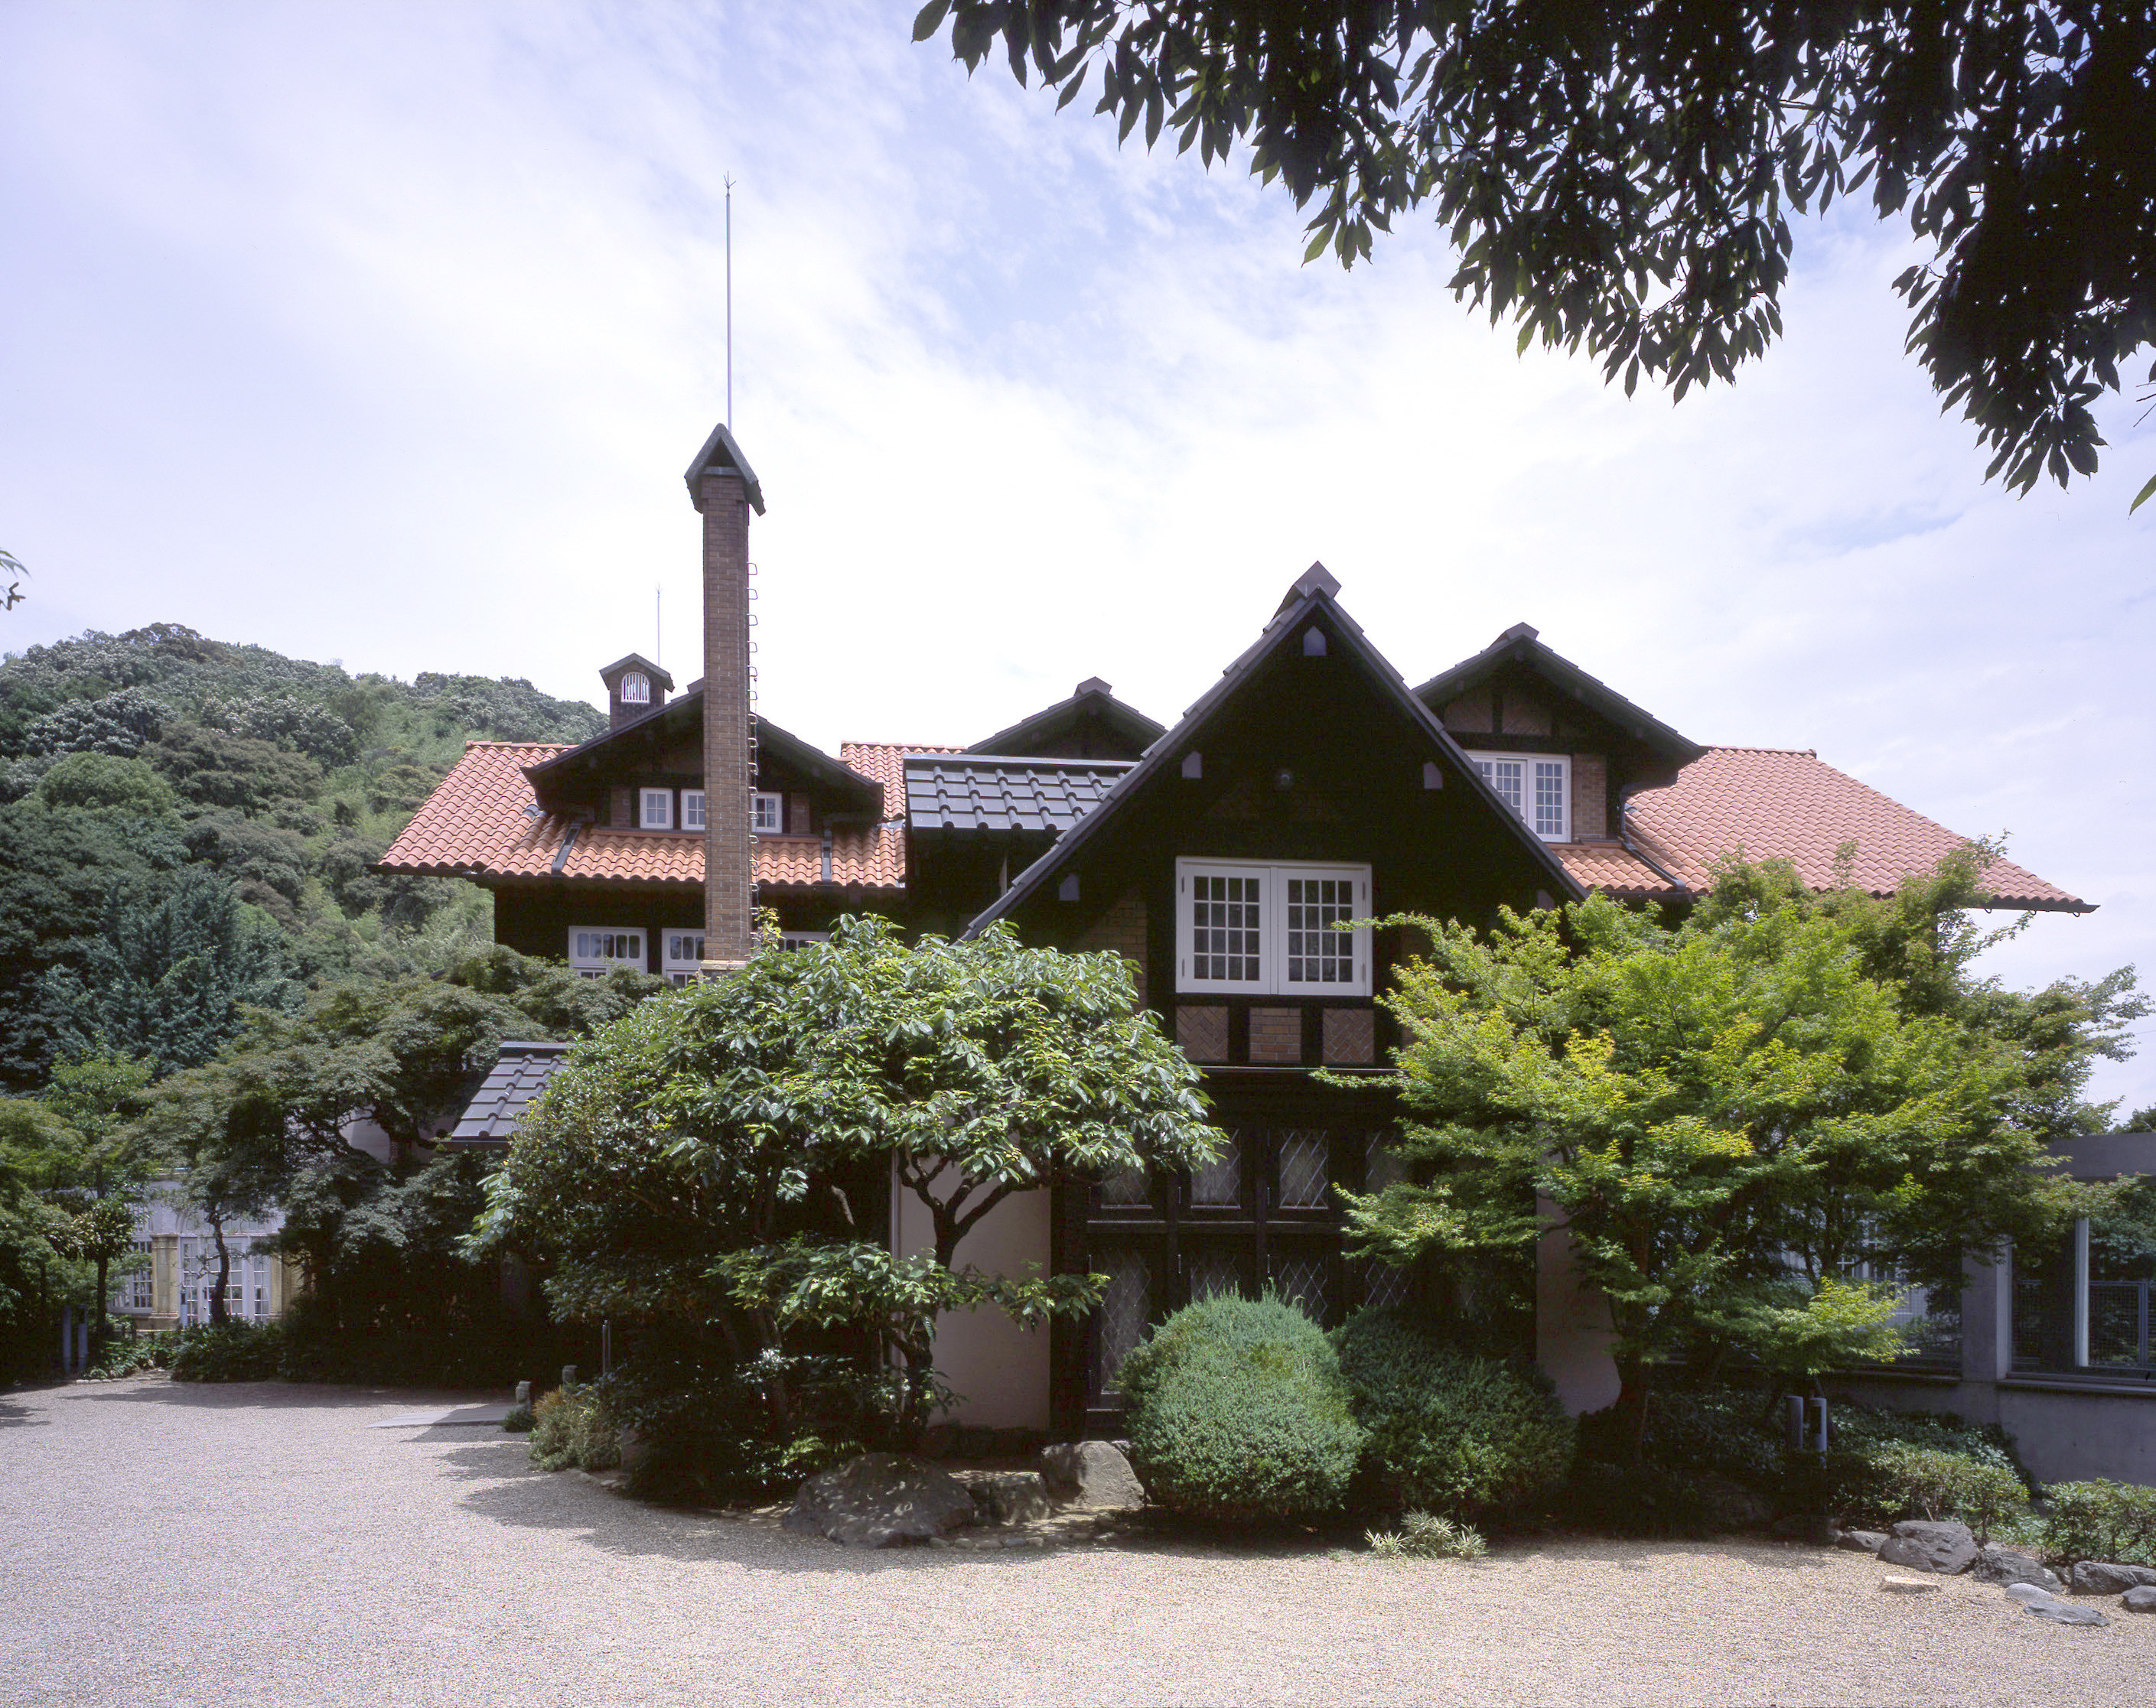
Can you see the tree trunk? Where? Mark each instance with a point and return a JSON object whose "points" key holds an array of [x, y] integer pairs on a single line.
{"points": [[217, 1315]]}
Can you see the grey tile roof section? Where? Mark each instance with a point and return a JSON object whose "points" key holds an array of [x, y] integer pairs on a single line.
{"points": [[985, 794], [519, 1074]]}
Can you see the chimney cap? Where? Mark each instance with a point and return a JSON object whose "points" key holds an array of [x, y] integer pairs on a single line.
{"points": [[1091, 685], [620, 667], [1518, 631], [721, 455]]}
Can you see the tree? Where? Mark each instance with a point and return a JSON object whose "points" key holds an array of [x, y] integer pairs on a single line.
{"points": [[99, 1097], [705, 1159], [1729, 1117], [11, 564], [1622, 175]]}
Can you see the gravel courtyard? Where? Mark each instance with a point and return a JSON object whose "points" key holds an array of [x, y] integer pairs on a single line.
{"points": [[261, 1544]]}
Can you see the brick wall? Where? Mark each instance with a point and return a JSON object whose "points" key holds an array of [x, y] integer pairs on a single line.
{"points": [[724, 502], [1276, 1035], [1590, 796], [1122, 928]]}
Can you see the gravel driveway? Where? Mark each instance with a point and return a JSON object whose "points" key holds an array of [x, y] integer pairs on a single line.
{"points": [[260, 1544]]}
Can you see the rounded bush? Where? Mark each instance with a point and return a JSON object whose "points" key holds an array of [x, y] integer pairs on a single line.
{"points": [[1236, 1411], [1448, 1432]]}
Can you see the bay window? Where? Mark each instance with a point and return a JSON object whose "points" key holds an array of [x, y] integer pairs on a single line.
{"points": [[1271, 929]]}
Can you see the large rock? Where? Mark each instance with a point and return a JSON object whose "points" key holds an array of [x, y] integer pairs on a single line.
{"points": [[2105, 1578], [1863, 1541], [1010, 1497], [2139, 1601], [2027, 1593], [882, 1500], [1927, 1545], [1997, 1565], [1091, 1474], [2064, 1612]]}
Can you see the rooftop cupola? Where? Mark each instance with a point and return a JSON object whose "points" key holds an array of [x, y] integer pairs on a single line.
{"points": [[635, 689]]}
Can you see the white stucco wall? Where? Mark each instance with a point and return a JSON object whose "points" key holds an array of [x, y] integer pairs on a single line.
{"points": [[1001, 1369], [1572, 1325]]}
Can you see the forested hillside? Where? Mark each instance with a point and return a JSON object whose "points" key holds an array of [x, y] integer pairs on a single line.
{"points": [[188, 825]]}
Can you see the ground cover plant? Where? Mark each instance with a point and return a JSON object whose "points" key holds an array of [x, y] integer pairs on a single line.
{"points": [[2100, 1520], [1237, 1413], [1423, 1536]]}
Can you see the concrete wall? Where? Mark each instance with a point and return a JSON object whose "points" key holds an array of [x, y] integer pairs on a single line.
{"points": [[2064, 1431], [1001, 1369], [1572, 1324]]}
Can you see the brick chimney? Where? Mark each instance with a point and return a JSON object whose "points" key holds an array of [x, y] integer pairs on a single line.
{"points": [[722, 487]]}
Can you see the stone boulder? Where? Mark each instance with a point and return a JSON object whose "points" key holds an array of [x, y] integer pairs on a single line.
{"points": [[2064, 1612], [2026, 1592], [2142, 1600], [1863, 1541], [882, 1500], [1010, 1497], [1092, 1474], [1927, 1545], [1998, 1565], [2104, 1578]]}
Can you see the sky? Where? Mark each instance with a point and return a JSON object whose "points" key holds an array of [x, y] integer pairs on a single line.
{"points": [[382, 333]]}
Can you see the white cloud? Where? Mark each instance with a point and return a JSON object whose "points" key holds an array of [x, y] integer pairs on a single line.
{"points": [[383, 332]]}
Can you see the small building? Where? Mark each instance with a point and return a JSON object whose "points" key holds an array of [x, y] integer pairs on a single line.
{"points": [[1309, 784], [175, 1277]]}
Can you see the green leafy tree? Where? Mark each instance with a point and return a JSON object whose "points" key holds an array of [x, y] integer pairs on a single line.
{"points": [[99, 1097], [1728, 1118], [705, 1159], [1624, 176]]}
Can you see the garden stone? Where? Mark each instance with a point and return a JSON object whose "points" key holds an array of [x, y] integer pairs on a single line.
{"points": [[2141, 1599], [1863, 1541], [2029, 1592], [1996, 1565], [1908, 1586], [1090, 1474], [2105, 1577], [1011, 1497], [2064, 1612], [1927, 1545], [882, 1500]]}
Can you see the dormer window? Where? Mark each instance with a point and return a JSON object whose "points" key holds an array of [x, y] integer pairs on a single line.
{"points": [[692, 809], [767, 814], [657, 811], [635, 689], [1535, 786]]}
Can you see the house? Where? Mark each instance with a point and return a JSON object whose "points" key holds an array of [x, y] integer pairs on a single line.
{"points": [[1309, 784], [175, 1275]]}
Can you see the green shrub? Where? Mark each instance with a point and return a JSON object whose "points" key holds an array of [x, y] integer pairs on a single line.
{"points": [[518, 1421], [2101, 1521], [1937, 1483], [1448, 1432], [1423, 1536], [1864, 1478], [227, 1351], [705, 1427], [570, 1426], [1236, 1411]]}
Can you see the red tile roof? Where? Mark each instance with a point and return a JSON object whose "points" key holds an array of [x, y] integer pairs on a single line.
{"points": [[482, 821], [1613, 869], [1777, 803]]}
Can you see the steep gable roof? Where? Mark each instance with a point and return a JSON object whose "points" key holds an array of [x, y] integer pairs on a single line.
{"points": [[720, 454], [1310, 599], [1092, 701], [1521, 644]]}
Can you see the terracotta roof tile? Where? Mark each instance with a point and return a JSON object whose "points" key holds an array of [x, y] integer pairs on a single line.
{"points": [[482, 820], [1613, 869], [885, 761], [1778, 803]]}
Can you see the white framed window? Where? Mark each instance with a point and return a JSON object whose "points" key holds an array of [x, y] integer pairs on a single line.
{"points": [[134, 1292], [801, 940], [692, 809], [636, 689], [1264, 929], [655, 809], [594, 952], [767, 814], [683, 960], [1537, 786]]}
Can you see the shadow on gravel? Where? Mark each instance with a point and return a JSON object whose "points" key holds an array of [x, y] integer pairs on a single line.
{"points": [[15, 1417], [267, 1396]]}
